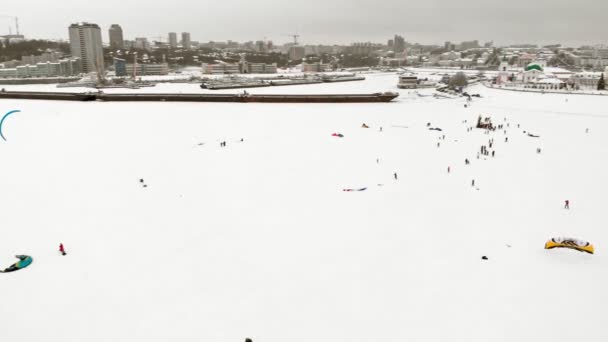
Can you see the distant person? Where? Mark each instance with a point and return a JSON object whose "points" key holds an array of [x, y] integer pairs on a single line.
{"points": [[61, 249], [449, 169], [473, 182], [567, 204], [466, 161], [395, 175]]}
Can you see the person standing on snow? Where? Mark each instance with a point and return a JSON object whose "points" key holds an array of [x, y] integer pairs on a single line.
{"points": [[61, 249], [567, 204], [395, 175]]}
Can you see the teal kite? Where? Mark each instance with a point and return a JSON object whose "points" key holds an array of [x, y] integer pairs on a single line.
{"points": [[2, 121], [24, 261]]}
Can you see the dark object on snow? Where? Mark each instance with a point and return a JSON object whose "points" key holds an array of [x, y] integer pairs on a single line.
{"points": [[145, 185], [248, 340], [484, 258], [533, 136], [435, 129], [486, 123], [349, 189], [61, 249], [141, 180]]}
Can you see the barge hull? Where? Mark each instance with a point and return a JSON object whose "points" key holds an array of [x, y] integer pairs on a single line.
{"points": [[288, 98]]}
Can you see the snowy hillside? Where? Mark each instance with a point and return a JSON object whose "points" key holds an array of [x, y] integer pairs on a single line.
{"points": [[258, 239]]}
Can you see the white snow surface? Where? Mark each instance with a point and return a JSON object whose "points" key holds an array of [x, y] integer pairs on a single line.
{"points": [[257, 239]]}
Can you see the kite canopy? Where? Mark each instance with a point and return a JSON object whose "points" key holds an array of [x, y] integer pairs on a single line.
{"points": [[563, 242], [24, 261], [2, 121]]}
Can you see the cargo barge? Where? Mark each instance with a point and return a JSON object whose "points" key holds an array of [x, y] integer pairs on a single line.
{"points": [[286, 98], [343, 79]]}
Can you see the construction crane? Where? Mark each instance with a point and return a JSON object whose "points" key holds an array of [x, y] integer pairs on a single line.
{"points": [[16, 22], [295, 38]]}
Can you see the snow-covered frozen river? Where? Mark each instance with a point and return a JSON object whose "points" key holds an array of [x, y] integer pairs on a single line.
{"points": [[258, 239]]}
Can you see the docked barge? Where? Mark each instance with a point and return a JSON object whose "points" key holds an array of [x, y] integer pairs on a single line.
{"points": [[286, 98]]}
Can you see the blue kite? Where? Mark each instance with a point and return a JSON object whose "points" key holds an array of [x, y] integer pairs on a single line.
{"points": [[2, 121]]}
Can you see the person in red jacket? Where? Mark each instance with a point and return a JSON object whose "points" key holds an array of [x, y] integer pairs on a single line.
{"points": [[61, 249]]}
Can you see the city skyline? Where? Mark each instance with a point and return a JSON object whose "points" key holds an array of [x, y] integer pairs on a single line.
{"points": [[338, 23]]}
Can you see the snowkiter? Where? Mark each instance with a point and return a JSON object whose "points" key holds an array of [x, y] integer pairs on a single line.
{"points": [[567, 204], [61, 249]]}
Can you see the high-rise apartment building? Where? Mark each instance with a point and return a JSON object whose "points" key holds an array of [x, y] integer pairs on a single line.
{"points": [[86, 44], [186, 40], [173, 40], [398, 44], [116, 39]]}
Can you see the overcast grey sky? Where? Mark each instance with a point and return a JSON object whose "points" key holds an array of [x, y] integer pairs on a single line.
{"points": [[324, 21]]}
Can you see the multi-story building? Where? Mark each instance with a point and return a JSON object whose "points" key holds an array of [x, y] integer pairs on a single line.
{"points": [[116, 39], [243, 67], [173, 40], [398, 44], [64, 67], [258, 68], [221, 68], [365, 48], [142, 43], [148, 69], [86, 44], [296, 53], [315, 67], [473, 44], [260, 46], [186, 40], [50, 56]]}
